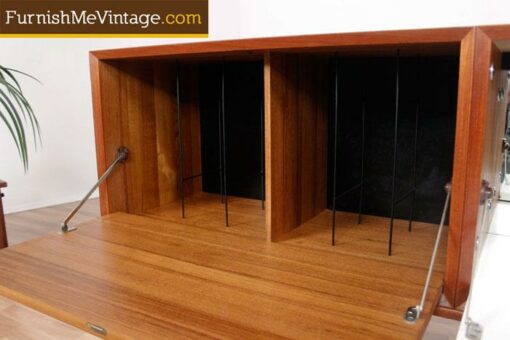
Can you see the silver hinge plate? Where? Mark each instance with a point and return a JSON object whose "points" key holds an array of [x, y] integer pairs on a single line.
{"points": [[473, 330]]}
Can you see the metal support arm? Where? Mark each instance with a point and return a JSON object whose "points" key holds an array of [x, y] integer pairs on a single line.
{"points": [[122, 155], [413, 313]]}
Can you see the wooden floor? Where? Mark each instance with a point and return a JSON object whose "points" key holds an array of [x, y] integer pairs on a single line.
{"points": [[27, 225], [157, 275]]}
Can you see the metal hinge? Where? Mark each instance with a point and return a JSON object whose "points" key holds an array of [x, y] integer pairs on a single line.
{"points": [[473, 330], [96, 328], [505, 146]]}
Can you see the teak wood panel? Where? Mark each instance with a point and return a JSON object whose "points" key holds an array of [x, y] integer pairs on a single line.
{"points": [[135, 106], [105, 79], [119, 272], [296, 149], [469, 160]]}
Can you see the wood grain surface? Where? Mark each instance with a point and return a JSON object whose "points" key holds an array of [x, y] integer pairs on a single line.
{"points": [[153, 277]]}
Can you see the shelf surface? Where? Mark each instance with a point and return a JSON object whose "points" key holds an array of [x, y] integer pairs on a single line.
{"points": [[158, 276]]}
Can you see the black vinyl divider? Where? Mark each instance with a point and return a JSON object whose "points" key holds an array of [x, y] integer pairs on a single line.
{"points": [[395, 151], [179, 126], [360, 185], [363, 181], [412, 192], [262, 158], [222, 143], [335, 143], [223, 147]]}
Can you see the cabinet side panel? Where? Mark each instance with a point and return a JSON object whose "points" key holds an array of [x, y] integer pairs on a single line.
{"points": [[468, 163], [105, 80]]}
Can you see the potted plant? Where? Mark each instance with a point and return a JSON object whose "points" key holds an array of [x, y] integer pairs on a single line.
{"points": [[17, 115]]}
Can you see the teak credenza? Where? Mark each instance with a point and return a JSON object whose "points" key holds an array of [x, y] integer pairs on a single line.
{"points": [[219, 223]]}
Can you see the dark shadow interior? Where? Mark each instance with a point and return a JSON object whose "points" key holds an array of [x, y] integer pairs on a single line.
{"points": [[427, 84], [244, 126]]}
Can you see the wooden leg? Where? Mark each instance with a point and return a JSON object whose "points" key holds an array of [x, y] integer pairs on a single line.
{"points": [[3, 233]]}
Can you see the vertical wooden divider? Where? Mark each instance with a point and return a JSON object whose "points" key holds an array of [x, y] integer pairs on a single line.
{"points": [[296, 140], [166, 131]]}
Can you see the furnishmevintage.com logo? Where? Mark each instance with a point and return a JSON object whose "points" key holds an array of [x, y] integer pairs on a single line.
{"points": [[170, 18]]}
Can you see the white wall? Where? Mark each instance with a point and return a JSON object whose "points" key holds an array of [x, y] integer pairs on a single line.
{"points": [[65, 167], [294, 17]]}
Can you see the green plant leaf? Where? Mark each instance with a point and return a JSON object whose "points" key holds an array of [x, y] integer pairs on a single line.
{"points": [[17, 113], [25, 74], [9, 127], [26, 109], [18, 125]]}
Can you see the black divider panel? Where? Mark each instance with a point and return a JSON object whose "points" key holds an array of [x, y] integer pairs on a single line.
{"points": [[244, 86], [432, 81]]}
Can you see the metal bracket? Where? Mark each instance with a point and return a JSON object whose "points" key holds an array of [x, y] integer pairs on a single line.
{"points": [[486, 192], [473, 330], [121, 157], [492, 71]]}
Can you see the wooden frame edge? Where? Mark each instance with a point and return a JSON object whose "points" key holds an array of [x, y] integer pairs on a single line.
{"points": [[448, 313], [468, 158], [98, 129], [413, 36]]}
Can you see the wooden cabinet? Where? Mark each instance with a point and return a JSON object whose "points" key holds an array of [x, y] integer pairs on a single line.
{"points": [[135, 105]]}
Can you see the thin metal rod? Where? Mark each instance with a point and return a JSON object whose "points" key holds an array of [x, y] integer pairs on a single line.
{"points": [[199, 175], [335, 141], [357, 186], [436, 247], [362, 175], [395, 150], [413, 313], [179, 126], [416, 120], [220, 144], [192, 177], [223, 140], [416, 128], [404, 196], [122, 155], [262, 157]]}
